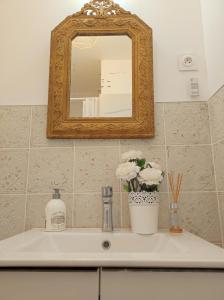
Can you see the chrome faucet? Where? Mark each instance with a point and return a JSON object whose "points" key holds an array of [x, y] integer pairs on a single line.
{"points": [[107, 193]]}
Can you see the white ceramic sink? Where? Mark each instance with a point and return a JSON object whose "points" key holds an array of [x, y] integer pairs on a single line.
{"points": [[98, 242], [122, 248]]}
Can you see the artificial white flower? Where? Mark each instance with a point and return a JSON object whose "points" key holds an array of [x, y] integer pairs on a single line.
{"points": [[151, 176], [154, 165], [127, 171], [130, 155]]}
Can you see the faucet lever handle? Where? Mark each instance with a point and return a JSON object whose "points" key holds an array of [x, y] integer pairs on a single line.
{"points": [[107, 191]]}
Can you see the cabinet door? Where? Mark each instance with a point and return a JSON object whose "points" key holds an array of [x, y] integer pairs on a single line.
{"points": [[48, 285], [159, 285]]}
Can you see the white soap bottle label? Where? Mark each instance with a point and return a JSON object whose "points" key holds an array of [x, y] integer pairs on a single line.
{"points": [[55, 213]]}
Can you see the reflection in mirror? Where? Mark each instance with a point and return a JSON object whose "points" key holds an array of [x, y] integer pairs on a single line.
{"points": [[101, 77]]}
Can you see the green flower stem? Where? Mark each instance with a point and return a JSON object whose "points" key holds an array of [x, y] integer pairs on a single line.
{"points": [[133, 185]]}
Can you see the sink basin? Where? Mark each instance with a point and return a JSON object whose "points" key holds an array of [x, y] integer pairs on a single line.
{"points": [[98, 242], [92, 247]]}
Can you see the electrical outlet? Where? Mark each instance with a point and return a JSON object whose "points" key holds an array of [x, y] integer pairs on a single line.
{"points": [[187, 62]]}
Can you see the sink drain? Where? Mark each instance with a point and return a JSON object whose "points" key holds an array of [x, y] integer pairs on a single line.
{"points": [[106, 245]]}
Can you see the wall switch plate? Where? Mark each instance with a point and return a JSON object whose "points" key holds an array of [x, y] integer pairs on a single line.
{"points": [[187, 62], [194, 87]]}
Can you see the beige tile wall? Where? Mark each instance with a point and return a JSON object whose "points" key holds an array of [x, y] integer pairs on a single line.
{"points": [[216, 114], [31, 166]]}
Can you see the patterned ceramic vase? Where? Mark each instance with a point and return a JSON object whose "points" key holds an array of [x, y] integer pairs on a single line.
{"points": [[144, 212]]}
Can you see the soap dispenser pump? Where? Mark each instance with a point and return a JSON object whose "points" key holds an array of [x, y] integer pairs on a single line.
{"points": [[55, 213]]}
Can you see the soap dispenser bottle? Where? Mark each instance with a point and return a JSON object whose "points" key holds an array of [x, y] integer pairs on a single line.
{"points": [[55, 213]]}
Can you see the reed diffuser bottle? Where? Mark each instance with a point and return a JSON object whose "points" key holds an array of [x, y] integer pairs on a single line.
{"points": [[174, 209]]}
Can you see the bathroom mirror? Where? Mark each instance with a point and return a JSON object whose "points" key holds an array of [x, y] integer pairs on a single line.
{"points": [[101, 75]]}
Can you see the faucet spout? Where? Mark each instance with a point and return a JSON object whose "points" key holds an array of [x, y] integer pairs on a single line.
{"points": [[107, 193]]}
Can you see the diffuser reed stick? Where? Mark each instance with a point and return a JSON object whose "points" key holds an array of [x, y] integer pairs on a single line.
{"points": [[175, 188]]}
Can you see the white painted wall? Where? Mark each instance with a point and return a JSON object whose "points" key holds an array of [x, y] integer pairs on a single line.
{"points": [[25, 45], [213, 23], [116, 76]]}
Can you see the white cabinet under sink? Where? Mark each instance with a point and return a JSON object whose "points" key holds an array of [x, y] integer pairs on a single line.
{"points": [[159, 285], [49, 285], [111, 284]]}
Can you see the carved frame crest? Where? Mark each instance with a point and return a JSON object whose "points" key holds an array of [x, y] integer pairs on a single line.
{"points": [[101, 17]]}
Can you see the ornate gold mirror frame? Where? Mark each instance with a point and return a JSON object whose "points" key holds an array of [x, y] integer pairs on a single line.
{"points": [[101, 17]]}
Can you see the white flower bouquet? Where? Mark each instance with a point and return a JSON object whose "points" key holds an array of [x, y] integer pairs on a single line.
{"points": [[138, 174]]}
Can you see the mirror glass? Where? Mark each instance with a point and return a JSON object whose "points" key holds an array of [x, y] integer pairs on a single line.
{"points": [[101, 77]]}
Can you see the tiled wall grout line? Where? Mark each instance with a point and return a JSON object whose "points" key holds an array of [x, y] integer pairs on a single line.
{"points": [[166, 152], [109, 146], [215, 177], [217, 142], [15, 148], [120, 194], [8, 194], [44, 148], [98, 146], [95, 193], [73, 185], [187, 145], [28, 166], [199, 192]]}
